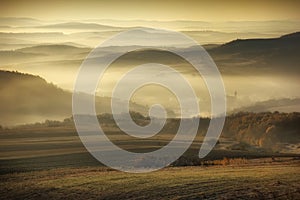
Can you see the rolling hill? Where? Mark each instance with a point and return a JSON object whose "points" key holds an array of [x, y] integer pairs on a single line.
{"points": [[54, 49], [238, 57], [43, 53], [26, 98], [257, 56]]}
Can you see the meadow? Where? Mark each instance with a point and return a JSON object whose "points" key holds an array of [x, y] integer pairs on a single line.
{"points": [[49, 161], [260, 179]]}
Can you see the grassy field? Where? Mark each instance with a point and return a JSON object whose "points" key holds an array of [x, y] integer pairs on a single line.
{"points": [[259, 180], [44, 148], [52, 163]]}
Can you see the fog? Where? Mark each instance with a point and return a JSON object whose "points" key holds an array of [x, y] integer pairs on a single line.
{"points": [[260, 75]]}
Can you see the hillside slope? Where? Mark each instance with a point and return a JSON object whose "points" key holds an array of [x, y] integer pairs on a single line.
{"points": [[27, 98], [259, 56]]}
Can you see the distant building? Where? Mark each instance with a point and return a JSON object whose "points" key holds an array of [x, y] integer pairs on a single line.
{"points": [[235, 94]]}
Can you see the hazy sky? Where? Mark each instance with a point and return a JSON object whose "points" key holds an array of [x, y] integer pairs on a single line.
{"points": [[213, 10]]}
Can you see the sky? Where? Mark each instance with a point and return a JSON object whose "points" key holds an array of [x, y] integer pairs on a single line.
{"points": [[196, 10]]}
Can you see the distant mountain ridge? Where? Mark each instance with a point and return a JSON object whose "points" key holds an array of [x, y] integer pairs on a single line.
{"points": [[272, 55], [54, 49], [77, 25], [19, 21], [289, 40]]}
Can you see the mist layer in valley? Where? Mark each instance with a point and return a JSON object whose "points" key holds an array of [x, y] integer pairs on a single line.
{"points": [[258, 63]]}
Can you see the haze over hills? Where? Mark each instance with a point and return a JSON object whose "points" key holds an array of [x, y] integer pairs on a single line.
{"points": [[271, 26], [96, 30], [149, 99], [260, 53], [54, 49], [77, 25], [26, 98], [259, 69], [19, 21], [255, 60]]}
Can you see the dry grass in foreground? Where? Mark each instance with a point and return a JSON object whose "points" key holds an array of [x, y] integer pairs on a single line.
{"points": [[262, 181]]}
